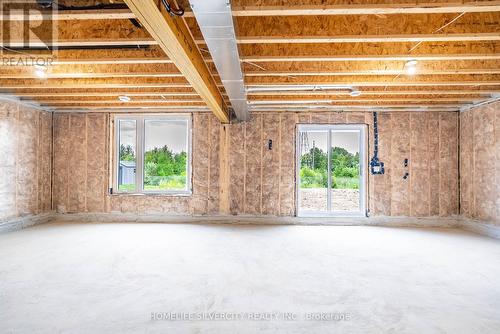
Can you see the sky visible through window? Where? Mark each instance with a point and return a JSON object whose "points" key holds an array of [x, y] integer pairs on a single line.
{"points": [[159, 134]]}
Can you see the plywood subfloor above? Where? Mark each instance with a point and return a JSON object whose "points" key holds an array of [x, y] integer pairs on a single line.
{"points": [[362, 46]]}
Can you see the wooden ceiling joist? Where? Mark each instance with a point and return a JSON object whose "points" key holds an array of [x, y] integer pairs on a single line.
{"points": [[432, 93], [392, 84], [124, 108], [81, 43], [336, 99], [112, 98], [128, 109], [361, 103], [368, 38], [60, 15], [112, 102], [396, 57], [120, 91], [362, 108], [43, 85], [369, 9], [107, 94], [145, 55], [259, 99], [175, 39], [95, 75]]}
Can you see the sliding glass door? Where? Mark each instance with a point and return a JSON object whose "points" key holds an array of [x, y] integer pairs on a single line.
{"points": [[331, 170]]}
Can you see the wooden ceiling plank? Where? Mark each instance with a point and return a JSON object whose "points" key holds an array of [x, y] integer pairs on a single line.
{"points": [[372, 72], [336, 99], [104, 107], [370, 51], [141, 102], [366, 29], [144, 55], [367, 38], [390, 57], [464, 80], [83, 33], [103, 93], [370, 67], [82, 43]]}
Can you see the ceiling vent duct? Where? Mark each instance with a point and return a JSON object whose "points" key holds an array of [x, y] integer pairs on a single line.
{"points": [[215, 20]]}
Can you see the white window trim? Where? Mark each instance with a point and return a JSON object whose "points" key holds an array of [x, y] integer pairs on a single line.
{"points": [[140, 144]]}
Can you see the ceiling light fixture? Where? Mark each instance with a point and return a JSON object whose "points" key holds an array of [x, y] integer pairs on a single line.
{"points": [[411, 67], [124, 98]]}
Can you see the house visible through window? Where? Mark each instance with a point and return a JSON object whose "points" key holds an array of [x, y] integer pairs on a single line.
{"points": [[153, 154]]}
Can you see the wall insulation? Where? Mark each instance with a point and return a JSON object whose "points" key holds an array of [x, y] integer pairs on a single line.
{"points": [[480, 163], [81, 164], [262, 181], [25, 160]]}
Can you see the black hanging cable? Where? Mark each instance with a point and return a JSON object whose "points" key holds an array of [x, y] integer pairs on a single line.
{"points": [[100, 6], [377, 166], [172, 11], [57, 5]]}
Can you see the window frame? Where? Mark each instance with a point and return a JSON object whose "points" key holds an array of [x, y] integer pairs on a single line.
{"points": [[140, 120], [363, 163]]}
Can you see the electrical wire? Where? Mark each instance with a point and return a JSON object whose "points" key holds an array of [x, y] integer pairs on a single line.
{"points": [[56, 4], [254, 64], [48, 4], [438, 30], [420, 42], [172, 11]]}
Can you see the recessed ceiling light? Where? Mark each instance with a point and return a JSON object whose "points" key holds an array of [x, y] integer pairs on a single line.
{"points": [[124, 98], [41, 71], [355, 93], [411, 67], [412, 70]]}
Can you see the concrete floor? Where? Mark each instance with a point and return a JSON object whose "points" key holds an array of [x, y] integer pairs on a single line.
{"points": [[110, 278]]}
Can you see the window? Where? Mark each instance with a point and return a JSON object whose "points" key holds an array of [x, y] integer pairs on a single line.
{"points": [[153, 154]]}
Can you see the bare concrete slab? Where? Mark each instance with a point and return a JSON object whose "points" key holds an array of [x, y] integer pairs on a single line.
{"points": [[127, 278]]}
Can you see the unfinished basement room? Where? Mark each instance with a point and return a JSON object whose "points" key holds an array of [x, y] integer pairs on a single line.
{"points": [[250, 166]]}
